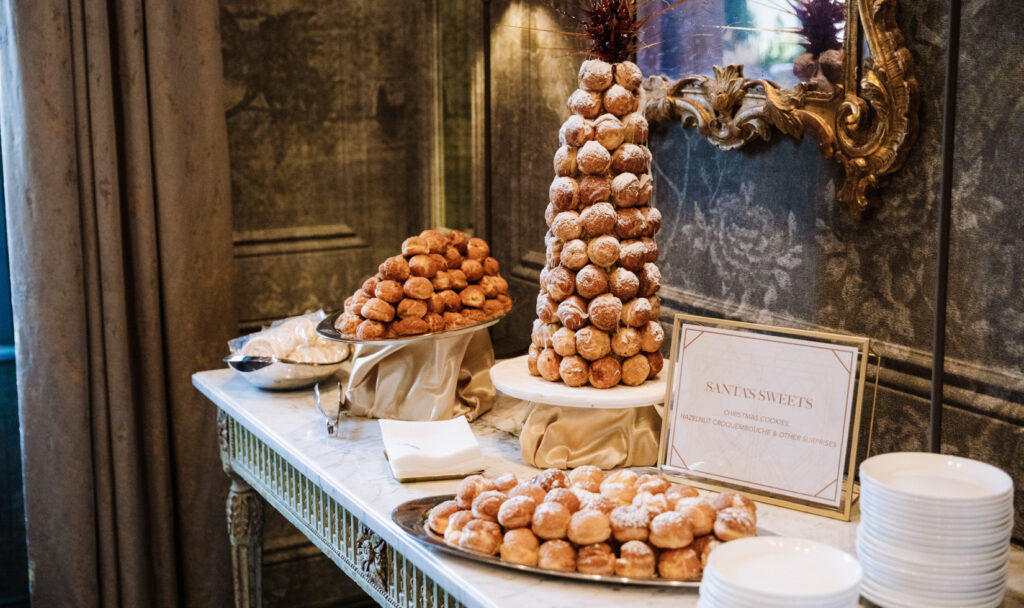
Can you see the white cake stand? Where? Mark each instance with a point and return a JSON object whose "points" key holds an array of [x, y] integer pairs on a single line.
{"points": [[512, 377]]}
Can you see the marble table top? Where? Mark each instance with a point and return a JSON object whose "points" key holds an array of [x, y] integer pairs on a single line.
{"points": [[351, 468]]}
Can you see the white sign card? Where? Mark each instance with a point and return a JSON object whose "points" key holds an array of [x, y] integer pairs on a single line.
{"points": [[762, 411]]}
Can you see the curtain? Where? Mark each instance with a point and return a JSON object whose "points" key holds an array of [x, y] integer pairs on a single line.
{"points": [[115, 165]]}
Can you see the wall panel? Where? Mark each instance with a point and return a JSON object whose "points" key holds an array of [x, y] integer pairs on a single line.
{"points": [[332, 110]]}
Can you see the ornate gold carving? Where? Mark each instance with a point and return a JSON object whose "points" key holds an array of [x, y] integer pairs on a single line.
{"points": [[371, 557], [869, 131], [728, 109]]}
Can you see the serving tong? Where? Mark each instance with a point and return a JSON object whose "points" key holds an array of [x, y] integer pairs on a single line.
{"points": [[331, 422]]}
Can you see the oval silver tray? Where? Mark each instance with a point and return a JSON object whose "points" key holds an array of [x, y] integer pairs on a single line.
{"points": [[327, 330], [411, 517]]}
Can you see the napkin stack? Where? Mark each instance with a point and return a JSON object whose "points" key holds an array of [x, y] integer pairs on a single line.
{"points": [[430, 450]]}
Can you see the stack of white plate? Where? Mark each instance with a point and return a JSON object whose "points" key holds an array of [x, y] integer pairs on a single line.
{"points": [[773, 571], [934, 531]]}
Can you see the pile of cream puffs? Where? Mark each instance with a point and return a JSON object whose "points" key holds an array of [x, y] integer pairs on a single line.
{"points": [[441, 281], [598, 308], [622, 524]]}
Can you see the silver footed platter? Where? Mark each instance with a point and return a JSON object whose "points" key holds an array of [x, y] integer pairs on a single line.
{"points": [[327, 330], [411, 517]]}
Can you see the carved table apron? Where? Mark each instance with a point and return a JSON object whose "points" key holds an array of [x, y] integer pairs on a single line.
{"points": [[339, 492]]}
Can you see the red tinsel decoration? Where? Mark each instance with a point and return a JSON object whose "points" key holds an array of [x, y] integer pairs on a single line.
{"points": [[612, 27]]}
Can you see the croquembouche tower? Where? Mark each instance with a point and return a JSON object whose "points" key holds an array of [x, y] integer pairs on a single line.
{"points": [[598, 306]]}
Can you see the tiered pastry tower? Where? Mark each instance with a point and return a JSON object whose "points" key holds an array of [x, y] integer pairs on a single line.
{"points": [[598, 308]]}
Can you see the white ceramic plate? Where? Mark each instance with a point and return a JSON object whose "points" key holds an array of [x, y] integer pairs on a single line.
{"points": [[930, 580], [938, 539], [997, 512], [937, 476], [720, 592], [724, 601], [967, 524], [946, 585], [879, 494], [725, 593], [779, 568], [938, 593], [941, 595], [989, 558], [512, 377], [927, 564], [938, 544], [931, 567], [896, 598], [901, 518], [939, 535]]}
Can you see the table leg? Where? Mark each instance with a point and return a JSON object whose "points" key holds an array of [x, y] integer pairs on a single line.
{"points": [[245, 528]]}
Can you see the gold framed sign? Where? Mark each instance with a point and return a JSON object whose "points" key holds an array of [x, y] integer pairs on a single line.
{"points": [[769, 411]]}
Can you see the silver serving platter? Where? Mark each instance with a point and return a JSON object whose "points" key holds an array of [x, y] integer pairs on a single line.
{"points": [[411, 517], [327, 330], [278, 374]]}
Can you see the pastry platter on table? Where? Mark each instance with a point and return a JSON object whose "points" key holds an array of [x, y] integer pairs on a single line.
{"points": [[326, 329], [411, 517], [512, 377]]}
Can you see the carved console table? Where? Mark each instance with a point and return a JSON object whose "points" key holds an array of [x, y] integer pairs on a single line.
{"points": [[339, 493]]}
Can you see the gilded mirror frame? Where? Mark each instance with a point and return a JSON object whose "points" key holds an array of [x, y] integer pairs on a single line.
{"points": [[867, 123]]}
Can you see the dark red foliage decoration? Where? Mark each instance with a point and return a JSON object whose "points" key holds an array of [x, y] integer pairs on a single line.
{"points": [[819, 24], [612, 26]]}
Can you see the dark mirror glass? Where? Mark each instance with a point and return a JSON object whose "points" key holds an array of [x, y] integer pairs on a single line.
{"points": [[785, 41]]}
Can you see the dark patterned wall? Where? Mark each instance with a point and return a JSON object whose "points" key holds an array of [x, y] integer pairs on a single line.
{"points": [[985, 334], [329, 125], [530, 83], [986, 308]]}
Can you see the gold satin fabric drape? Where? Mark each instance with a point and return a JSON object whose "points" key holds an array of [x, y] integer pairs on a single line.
{"points": [[115, 166], [569, 437], [432, 379]]}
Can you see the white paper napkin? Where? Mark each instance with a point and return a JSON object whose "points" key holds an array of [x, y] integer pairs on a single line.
{"points": [[428, 450]]}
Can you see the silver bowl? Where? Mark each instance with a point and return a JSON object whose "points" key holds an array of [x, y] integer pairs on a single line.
{"points": [[278, 374]]}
